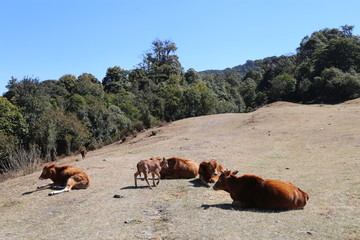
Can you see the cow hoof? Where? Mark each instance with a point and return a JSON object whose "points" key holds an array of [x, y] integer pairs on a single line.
{"points": [[51, 194]]}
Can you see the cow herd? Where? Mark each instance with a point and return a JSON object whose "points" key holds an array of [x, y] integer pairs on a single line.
{"points": [[247, 191]]}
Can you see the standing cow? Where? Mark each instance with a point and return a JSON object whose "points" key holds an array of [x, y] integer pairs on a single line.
{"points": [[153, 166], [250, 191]]}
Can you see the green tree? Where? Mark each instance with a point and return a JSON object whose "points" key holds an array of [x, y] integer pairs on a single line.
{"points": [[88, 84], [248, 92], [282, 87], [12, 123], [68, 82], [8, 145], [31, 99], [338, 85], [115, 79], [57, 134], [192, 77], [343, 53], [171, 95], [198, 100], [161, 62]]}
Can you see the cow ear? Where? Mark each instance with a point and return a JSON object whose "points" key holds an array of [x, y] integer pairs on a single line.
{"points": [[235, 172], [226, 173]]}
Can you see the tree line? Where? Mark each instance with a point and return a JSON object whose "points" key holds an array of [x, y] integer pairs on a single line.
{"points": [[41, 120]]}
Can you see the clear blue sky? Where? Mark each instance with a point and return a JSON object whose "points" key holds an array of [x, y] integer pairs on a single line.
{"points": [[46, 39]]}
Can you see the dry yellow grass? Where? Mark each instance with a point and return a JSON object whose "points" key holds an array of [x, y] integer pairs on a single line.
{"points": [[316, 147]]}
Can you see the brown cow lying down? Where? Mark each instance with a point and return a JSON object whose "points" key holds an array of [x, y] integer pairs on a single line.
{"points": [[209, 172], [180, 168], [67, 176], [250, 191]]}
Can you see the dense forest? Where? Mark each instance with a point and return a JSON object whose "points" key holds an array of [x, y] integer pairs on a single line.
{"points": [[42, 120]]}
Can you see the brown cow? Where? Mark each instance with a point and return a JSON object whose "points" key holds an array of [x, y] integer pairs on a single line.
{"points": [[180, 168], [67, 176], [83, 153], [250, 191], [153, 166], [209, 172]]}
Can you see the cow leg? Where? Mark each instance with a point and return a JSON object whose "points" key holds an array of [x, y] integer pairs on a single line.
{"points": [[153, 177], [45, 186], [146, 178], [70, 183], [158, 175], [135, 177]]}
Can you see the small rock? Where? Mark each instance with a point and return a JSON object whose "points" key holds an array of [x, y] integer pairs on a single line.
{"points": [[131, 221], [118, 196]]}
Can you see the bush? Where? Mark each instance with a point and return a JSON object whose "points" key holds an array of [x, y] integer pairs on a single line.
{"points": [[339, 85]]}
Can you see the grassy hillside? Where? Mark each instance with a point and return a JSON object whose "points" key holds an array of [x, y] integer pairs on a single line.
{"points": [[316, 147]]}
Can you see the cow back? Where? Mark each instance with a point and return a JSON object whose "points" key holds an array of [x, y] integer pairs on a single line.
{"points": [[180, 168], [63, 173], [254, 192], [282, 195]]}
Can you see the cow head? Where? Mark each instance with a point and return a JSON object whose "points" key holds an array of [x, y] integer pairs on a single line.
{"points": [[222, 183], [208, 172], [164, 163], [48, 171]]}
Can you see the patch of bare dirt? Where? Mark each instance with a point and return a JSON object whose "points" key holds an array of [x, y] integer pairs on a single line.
{"points": [[316, 147]]}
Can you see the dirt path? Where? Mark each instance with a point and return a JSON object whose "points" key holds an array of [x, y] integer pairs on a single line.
{"points": [[315, 147]]}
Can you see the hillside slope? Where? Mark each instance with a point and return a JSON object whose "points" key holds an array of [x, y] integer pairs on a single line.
{"points": [[315, 147]]}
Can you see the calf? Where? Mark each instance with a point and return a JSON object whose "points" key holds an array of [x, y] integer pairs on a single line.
{"points": [[152, 166], [83, 153], [209, 172], [67, 176], [180, 168], [250, 191]]}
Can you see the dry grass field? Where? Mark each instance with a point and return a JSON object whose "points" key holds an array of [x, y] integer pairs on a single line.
{"points": [[316, 147]]}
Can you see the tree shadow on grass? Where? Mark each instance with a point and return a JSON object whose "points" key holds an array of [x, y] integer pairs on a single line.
{"points": [[228, 206]]}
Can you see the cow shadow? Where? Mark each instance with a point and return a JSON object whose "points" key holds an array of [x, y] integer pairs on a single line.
{"points": [[197, 183], [228, 206], [133, 187], [48, 186]]}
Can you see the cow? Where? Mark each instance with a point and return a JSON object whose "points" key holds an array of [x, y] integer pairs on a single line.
{"points": [[83, 153], [179, 168], [210, 171], [65, 176], [250, 191], [153, 166]]}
